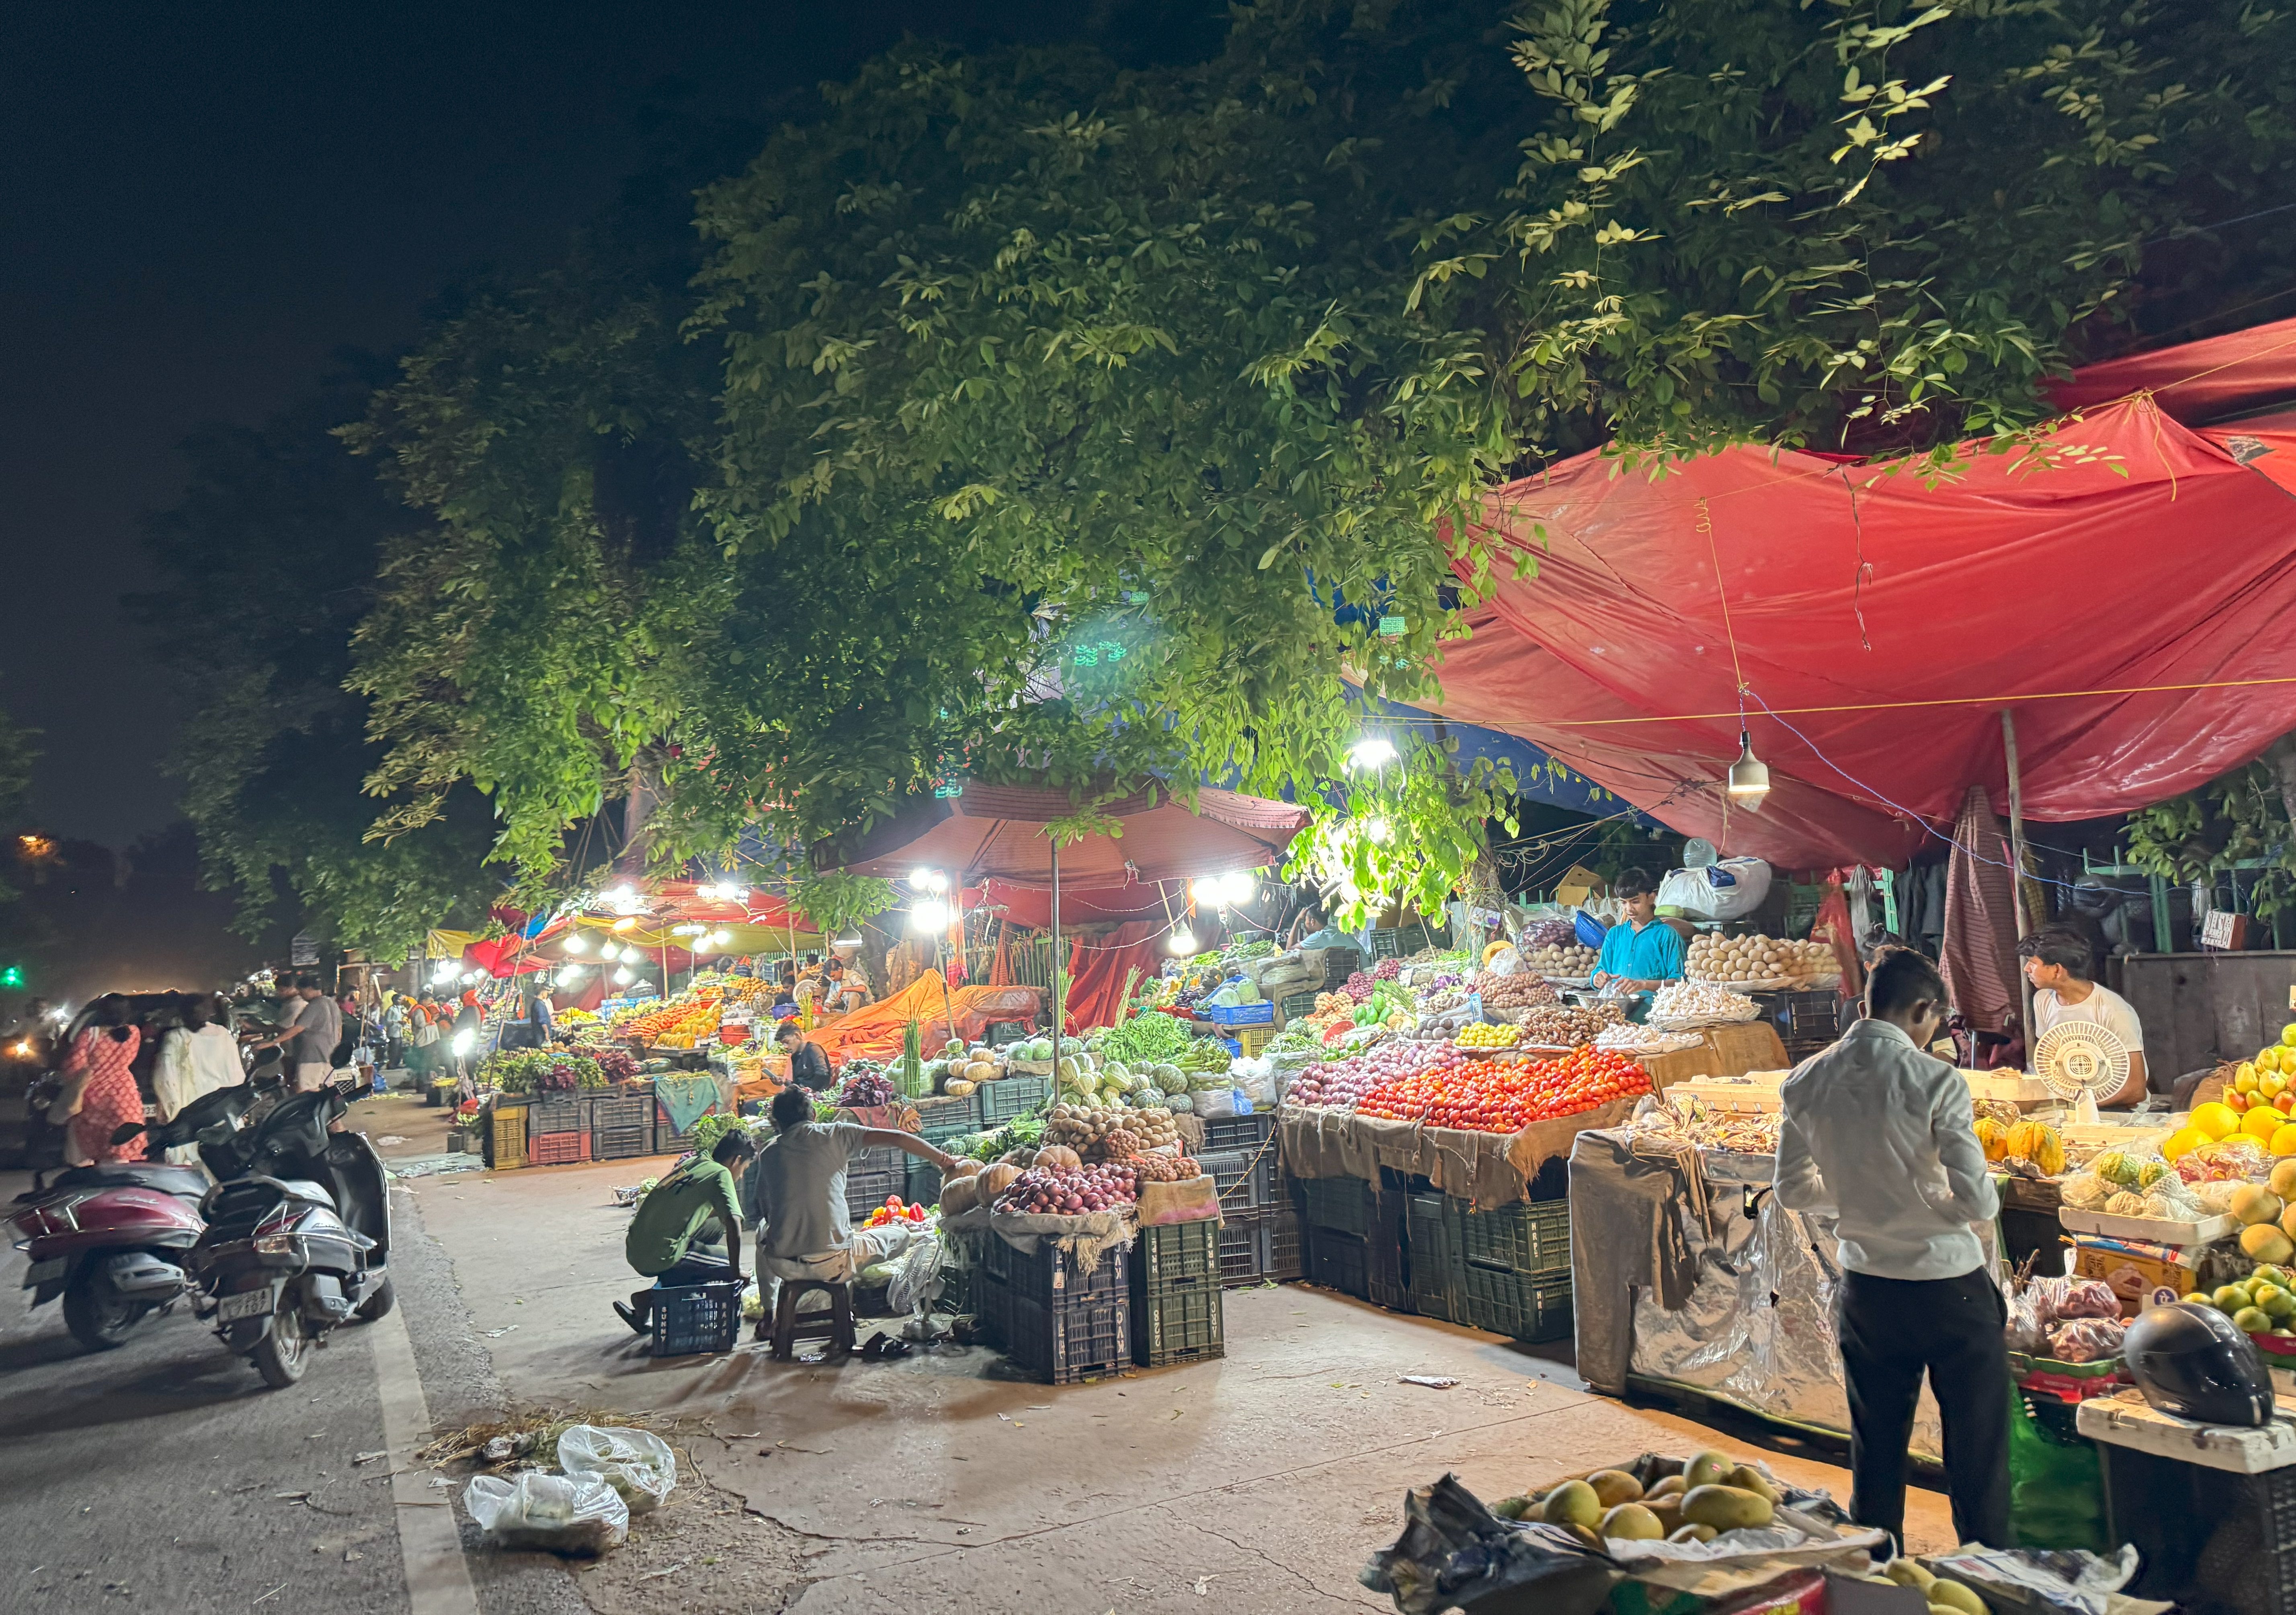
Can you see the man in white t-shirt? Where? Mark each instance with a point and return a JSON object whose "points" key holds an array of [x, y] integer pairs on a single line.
{"points": [[2060, 964]]}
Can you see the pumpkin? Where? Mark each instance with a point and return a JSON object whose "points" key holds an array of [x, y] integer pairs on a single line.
{"points": [[1993, 1136], [959, 1088], [1059, 1158], [980, 1070], [994, 1180], [960, 1194], [963, 1165], [2038, 1143]]}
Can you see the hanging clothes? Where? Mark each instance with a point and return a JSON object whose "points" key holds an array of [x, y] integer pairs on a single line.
{"points": [[1980, 956]]}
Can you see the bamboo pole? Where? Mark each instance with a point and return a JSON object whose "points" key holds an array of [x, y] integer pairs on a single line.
{"points": [[2017, 858]]}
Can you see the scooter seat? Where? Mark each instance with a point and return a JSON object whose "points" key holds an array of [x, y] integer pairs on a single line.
{"points": [[309, 1191], [189, 1182]]}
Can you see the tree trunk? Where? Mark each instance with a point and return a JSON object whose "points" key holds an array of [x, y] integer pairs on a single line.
{"points": [[2280, 757], [875, 945]]}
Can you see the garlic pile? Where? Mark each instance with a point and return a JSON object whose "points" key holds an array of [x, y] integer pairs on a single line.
{"points": [[1697, 1003]]}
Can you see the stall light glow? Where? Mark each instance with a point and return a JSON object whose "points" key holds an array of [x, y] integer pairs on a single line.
{"points": [[929, 916], [701, 946], [1374, 752], [626, 923], [1183, 942], [851, 938], [610, 953], [687, 930], [737, 894], [570, 976], [719, 939], [1749, 777], [474, 977], [1378, 829], [464, 1039], [446, 972], [622, 894], [576, 943], [622, 977]]}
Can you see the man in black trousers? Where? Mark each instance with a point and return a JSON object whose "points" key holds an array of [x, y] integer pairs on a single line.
{"points": [[1876, 1139]]}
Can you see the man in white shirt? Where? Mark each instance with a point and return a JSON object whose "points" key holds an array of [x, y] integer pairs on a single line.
{"points": [[2061, 966], [1876, 1140]]}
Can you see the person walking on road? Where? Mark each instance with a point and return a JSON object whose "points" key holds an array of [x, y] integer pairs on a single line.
{"points": [[1875, 1139], [99, 1093], [318, 1032], [195, 1058]]}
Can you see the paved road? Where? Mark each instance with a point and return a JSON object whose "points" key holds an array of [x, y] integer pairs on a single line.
{"points": [[164, 1474]]}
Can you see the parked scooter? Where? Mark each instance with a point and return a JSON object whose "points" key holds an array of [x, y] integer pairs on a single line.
{"points": [[113, 1239], [297, 1235]]}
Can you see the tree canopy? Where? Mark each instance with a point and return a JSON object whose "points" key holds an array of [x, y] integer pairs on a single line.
{"points": [[1003, 360]]}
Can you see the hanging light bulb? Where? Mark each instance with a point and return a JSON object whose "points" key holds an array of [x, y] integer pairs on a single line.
{"points": [[625, 922], [576, 943], [622, 977], [569, 976], [1242, 885], [1749, 777], [610, 953], [1373, 751], [1183, 942], [929, 916], [1378, 830]]}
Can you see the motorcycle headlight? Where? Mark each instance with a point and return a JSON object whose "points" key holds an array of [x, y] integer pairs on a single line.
{"points": [[275, 1244]]}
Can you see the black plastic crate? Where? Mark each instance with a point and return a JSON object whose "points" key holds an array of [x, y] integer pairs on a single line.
{"points": [[1002, 1100], [1239, 1132], [1261, 1247], [1510, 1303], [1385, 1283], [1053, 1277], [2209, 1540], [1342, 1204], [1339, 1261], [567, 1115], [874, 1177], [667, 1140], [691, 1318], [1290, 1006], [1432, 1265], [1174, 1256], [621, 1143], [947, 1118], [1524, 1237], [991, 1305], [1063, 1344], [1179, 1326], [1244, 1178], [923, 1182]]}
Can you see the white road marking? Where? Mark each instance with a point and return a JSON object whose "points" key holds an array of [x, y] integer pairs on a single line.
{"points": [[430, 1543]]}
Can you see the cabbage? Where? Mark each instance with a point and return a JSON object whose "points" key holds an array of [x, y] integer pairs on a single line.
{"points": [[1179, 1104]]}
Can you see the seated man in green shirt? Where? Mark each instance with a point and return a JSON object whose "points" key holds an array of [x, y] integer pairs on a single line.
{"points": [[661, 1241]]}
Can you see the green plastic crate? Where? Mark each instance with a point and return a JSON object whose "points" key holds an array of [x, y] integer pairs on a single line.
{"points": [[947, 1116], [1516, 1304], [1002, 1100], [1182, 1325], [1176, 1255], [1527, 1237]]}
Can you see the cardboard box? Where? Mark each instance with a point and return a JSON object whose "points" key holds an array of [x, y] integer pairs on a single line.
{"points": [[2142, 1281]]}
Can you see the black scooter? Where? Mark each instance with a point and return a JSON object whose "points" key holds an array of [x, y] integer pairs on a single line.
{"points": [[297, 1236]]}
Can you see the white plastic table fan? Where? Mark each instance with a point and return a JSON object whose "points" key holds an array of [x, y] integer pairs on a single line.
{"points": [[2081, 1062]]}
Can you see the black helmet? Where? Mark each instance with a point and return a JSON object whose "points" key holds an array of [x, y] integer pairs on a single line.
{"points": [[2189, 1360]]}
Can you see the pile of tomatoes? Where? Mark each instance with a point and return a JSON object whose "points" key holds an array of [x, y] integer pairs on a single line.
{"points": [[1482, 1096]]}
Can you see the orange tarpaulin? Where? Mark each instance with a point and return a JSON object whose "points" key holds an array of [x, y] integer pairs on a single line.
{"points": [[875, 1032]]}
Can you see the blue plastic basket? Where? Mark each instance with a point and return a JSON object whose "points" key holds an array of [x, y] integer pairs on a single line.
{"points": [[1589, 929], [1241, 1014]]}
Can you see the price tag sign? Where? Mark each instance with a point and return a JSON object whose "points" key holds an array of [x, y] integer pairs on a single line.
{"points": [[1391, 628], [1475, 1006], [2223, 928]]}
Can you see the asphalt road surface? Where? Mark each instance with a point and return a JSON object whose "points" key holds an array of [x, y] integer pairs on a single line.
{"points": [[164, 1475]]}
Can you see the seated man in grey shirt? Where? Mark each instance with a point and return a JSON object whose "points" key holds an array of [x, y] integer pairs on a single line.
{"points": [[795, 1194]]}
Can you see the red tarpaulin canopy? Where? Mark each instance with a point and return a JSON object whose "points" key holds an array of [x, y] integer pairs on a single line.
{"points": [[999, 831], [1888, 624], [2196, 382]]}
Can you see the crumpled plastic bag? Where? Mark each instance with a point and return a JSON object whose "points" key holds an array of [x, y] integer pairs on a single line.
{"points": [[2085, 1298], [557, 1513], [916, 1275], [2028, 1329], [637, 1463], [2086, 1339]]}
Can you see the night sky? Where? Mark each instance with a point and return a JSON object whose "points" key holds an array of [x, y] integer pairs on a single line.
{"points": [[203, 202]]}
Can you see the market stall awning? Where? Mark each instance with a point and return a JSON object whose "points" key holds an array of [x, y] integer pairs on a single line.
{"points": [[1003, 831], [2195, 382], [2124, 590]]}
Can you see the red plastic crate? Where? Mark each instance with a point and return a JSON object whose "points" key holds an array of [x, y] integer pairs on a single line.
{"points": [[557, 1149]]}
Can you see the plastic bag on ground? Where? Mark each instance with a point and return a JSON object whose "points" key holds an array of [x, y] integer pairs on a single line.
{"points": [[637, 1463], [557, 1513], [916, 1277]]}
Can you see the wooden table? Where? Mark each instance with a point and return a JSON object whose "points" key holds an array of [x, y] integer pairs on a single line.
{"points": [[1721, 1051]]}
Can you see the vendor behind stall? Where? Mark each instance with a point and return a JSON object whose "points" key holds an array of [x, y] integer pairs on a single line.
{"points": [[1641, 950], [2061, 966], [808, 1061]]}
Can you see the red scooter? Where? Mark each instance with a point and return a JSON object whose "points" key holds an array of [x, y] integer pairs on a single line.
{"points": [[111, 1239]]}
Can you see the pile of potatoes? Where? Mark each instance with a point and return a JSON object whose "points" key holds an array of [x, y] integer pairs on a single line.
{"points": [[1713, 1494]]}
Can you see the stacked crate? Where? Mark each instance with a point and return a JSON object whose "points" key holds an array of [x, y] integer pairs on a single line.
{"points": [[938, 1120], [621, 1125], [558, 1131], [1260, 1232], [1001, 1101], [1335, 1217], [505, 1135], [1514, 1263], [872, 1177], [1056, 1319], [1178, 1305]]}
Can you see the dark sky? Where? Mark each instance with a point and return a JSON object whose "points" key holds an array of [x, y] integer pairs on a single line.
{"points": [[202, 202]]}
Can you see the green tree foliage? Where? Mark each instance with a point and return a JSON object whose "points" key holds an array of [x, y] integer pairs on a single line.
{"points": [[1007, 356], [270, 563]]}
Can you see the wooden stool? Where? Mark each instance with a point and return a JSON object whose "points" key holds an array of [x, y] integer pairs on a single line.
{"points": [[834, 1326]]}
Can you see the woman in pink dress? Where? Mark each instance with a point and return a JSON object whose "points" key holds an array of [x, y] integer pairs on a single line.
{"points": [[105, 1053]]}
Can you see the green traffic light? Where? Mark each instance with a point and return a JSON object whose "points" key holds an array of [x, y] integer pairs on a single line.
{"points": [[13, 976]]}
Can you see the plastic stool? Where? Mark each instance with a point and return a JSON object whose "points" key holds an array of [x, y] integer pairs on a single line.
{"points": [[834, 1326]]}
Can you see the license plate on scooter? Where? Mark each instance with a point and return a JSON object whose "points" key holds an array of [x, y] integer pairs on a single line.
{"points": [[40, 1272], [248, 1304]]}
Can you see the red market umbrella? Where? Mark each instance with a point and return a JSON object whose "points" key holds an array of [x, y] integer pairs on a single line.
{"points": [[1002, 833]]}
